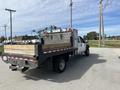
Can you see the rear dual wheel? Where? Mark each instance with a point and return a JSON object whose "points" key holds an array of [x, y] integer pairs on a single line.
{"points": [[59, 65], [87, 52]]}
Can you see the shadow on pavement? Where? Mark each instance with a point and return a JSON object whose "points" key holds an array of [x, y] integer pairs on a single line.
{"points": [[76, 68]]}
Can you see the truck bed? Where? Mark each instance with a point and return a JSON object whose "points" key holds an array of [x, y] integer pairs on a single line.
{"points": [[21, 49], [52, 42]]}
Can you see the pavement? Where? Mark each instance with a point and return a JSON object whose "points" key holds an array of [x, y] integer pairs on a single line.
{"points": [[99, 71]]}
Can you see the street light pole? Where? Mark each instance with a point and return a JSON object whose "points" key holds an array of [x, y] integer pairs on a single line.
{"points": [[10, 10]]}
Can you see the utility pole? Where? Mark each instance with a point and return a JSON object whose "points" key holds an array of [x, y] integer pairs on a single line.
{"points": [[100, 23], [10, 10], [71, 5], [103, 34], [5, 27], [101, 27]]}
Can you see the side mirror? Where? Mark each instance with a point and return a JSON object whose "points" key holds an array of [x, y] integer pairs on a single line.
{"points": [[86, 41]]}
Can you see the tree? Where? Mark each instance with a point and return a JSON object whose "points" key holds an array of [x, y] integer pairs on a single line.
{"points": [[92, 35], [2, 38]]}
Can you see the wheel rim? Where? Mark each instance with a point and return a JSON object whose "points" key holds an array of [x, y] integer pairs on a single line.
{"points": [[62, 65]]}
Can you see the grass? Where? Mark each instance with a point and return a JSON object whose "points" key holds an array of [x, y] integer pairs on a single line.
{"points": [[1, 50], [108, 43]]}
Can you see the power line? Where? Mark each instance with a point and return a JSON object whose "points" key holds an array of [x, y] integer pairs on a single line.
{"points": [[108, 2]]}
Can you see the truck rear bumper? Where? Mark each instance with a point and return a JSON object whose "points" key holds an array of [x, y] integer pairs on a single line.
{"points": [[20, 61]]}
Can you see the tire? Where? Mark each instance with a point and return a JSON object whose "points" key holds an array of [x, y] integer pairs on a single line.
{"points": [[87, 52], [59, 65]]}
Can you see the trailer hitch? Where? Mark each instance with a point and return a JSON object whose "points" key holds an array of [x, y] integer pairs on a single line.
{"points": [[15, 68]]}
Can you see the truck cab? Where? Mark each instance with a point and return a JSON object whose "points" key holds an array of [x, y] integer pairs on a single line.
{"points": [[82, 45], [79, 43]]}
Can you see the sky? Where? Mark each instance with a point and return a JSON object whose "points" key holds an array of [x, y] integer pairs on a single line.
{"points": [[36, 14]]}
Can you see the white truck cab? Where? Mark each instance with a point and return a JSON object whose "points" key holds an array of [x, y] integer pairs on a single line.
{"points": [[80, 43]]}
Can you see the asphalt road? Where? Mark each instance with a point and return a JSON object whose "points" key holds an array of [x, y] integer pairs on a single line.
{"points": [[99, 71]]}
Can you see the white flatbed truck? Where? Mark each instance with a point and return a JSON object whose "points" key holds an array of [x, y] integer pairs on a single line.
{"points": [[57, 46]]}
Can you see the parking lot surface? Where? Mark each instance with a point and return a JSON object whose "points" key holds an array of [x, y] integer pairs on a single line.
{"points": [[99, 71]]}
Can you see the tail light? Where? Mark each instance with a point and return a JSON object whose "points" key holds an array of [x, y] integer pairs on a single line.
{"points": [[5, 58]]}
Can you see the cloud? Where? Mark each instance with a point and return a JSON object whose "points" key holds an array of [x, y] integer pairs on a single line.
{"points": [[34, 14]]}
